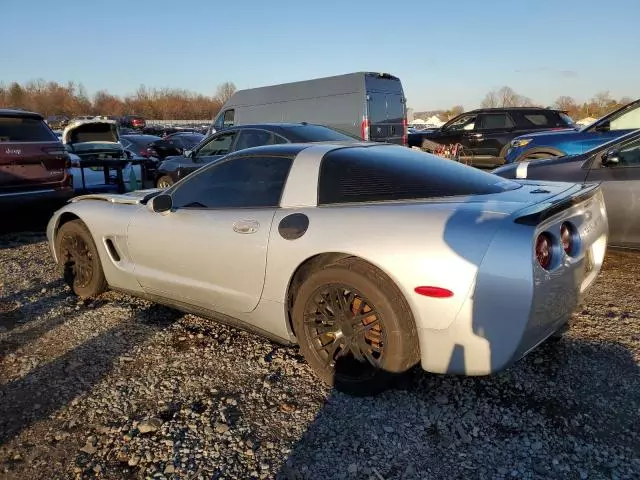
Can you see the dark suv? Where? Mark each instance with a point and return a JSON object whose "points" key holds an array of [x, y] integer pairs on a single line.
{"points": [[482, 136], [34, 166]]}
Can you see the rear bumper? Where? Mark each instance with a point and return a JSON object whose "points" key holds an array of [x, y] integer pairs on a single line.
{"points": [[36, 196], [515, 305]]}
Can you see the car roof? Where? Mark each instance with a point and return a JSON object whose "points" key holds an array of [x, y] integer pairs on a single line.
{"points": [[275, 125], [512, 109], [10, 112], [293, 149]]}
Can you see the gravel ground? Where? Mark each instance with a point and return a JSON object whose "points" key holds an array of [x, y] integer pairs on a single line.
{"points": [[120, 388]]}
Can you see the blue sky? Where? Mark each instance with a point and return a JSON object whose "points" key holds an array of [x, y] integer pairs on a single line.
{"points": [[445, 52]]}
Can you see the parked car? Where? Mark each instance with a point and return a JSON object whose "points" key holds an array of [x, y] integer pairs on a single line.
{"points": [[370, 106], [237, 138], [135, 122], [465, 272], [577, 140], [485, 133], [616, 164], [33, 163], [175, 144], [98, 159]]}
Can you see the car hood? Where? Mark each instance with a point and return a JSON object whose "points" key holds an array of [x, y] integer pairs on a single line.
{"points": [[91, 131], [540, 162], [554, 134]]}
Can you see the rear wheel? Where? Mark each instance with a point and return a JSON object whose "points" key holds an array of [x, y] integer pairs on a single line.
{"points": [[164, 181], [355, 328], [79, 260]]}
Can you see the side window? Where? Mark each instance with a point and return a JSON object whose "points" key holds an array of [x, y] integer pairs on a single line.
{"points": [[277, 139], [220, 145], [537, 119], [465, 122], [227, 119], [627, 121], [494, 121], [630, 154], [240, 182], [253, 138]]}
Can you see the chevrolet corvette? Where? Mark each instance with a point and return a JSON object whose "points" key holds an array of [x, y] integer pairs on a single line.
{"points": [[370, 257]]}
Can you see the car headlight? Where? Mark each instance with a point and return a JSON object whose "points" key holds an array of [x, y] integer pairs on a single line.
{"points": [[520, 142]]}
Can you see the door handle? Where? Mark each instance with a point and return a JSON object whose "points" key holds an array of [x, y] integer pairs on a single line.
{"points": [[246, 226]]}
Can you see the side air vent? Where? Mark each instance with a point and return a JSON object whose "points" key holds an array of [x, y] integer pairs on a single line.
{"points": [[112, 250]]}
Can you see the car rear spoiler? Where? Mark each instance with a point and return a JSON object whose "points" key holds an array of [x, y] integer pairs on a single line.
{"points": [[536, 214]]}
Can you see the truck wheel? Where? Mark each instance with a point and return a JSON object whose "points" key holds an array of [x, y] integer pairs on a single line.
{"points": [[79, 260], [164, 181], [355, 328]]}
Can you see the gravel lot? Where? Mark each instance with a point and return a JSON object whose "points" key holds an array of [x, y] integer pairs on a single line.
{"points": [[120, 388]]}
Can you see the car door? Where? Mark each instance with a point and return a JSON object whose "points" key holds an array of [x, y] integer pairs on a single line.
{"points": [[621, 189], [219, 145], [457, 131], [489, 137], [210, 249]]}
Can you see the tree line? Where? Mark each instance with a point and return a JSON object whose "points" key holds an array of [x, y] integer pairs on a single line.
{"points": [[71, 99], [600, 104]]}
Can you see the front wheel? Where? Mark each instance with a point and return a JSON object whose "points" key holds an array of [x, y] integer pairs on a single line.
{"points": [[355, 328], [79, 260]]}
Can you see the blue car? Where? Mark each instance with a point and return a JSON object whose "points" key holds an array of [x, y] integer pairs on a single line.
{"points": [[575, 141]]}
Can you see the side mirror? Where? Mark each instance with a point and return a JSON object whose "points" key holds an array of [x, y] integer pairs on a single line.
{"points": [[187, 153], [610, 158], [603, 127], [161, 203]]}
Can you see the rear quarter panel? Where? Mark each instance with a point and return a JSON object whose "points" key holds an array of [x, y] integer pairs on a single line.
{"points": [[414, 244]]}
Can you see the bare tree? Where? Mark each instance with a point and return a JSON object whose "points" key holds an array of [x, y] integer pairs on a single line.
{"points": [[490, 100], [505, 97], [566, 103], [224, 92]]}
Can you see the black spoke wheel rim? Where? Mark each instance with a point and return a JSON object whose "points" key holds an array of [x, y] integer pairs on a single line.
{"points": [[344, 326], [77, 259]]}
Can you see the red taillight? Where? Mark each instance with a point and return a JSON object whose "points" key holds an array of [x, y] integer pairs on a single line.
{"points": [[364, 129], [405, 133], [567, 236], [435, 292], [544, 250]]}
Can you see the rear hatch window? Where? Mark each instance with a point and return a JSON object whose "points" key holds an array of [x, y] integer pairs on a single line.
{"points": [[386, 114], [24, 129], [390, 173]]}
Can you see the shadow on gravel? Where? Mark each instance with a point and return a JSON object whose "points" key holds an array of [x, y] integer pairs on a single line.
{"points": [[479, 427], [26, 221], [53, 385]]}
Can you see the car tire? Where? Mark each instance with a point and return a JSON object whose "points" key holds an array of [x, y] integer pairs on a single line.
{"points": [[385, 347], [79, 260], [164, 181]]}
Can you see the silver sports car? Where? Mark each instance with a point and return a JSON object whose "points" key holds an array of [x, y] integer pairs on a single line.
{"points": [[371, 257]]}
